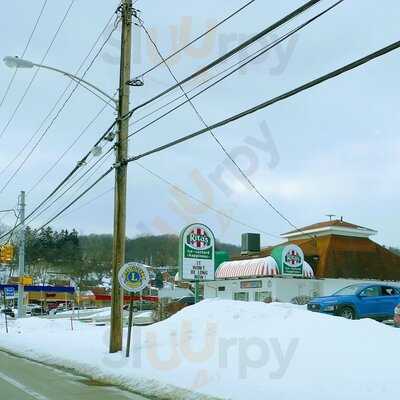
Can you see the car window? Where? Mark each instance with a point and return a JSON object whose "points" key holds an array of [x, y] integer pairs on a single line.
{"points": [[347, 291], [389, 291], [371, 291]]}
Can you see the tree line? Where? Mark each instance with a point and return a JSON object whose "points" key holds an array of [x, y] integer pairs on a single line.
{"points": [[52, 256]]}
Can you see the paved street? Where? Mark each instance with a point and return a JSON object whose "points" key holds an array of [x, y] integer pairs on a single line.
{"points": [[25, 380]]}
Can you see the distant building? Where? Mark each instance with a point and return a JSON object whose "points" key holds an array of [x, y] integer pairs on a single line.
{"points": [[339, 249], [329, 255]]}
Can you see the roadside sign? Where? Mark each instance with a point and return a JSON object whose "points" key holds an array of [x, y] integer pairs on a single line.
{"points": [[133, 277], [26, 280], [9, 292], [197, 253]]}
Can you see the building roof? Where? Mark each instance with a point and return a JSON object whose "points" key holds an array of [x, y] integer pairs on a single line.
{"points": [[334, 227]]}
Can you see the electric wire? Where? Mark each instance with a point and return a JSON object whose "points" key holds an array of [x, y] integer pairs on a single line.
{"points": [[219, 143], [39, 17], [315, 82], [241, 65], [53, 120], [66, 151], [290, 93], [214, 27], [37, 70], [235, 117], [230, 53], [98, 180], [215, 210]]}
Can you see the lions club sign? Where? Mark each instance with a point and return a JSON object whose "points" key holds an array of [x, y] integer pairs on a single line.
{"points": [[197, 253], [133, 277]]}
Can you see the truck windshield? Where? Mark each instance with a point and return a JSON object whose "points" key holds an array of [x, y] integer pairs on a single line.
{"points": [[347, 291]]}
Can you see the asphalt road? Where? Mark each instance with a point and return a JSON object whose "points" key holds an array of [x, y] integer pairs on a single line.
{"points": [[25, 380]]}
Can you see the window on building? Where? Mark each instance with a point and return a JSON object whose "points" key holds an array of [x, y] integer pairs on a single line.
{"points": [[221, 288], [241, 296], [265, 297]]}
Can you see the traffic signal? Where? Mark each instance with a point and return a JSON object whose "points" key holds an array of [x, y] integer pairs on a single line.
{"points": [[6, 253]]}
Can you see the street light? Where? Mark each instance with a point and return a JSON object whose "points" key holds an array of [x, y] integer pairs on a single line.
{"points": [[16, 62]]}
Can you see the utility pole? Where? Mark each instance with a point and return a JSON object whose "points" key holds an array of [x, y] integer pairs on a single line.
{"points": [[118, 257], [21, 256]]}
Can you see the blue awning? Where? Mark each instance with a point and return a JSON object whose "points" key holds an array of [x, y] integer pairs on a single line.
{"points": [[47, 289]]}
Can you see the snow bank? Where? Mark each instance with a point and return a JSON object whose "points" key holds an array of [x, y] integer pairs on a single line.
{"points": [[228, 349]]}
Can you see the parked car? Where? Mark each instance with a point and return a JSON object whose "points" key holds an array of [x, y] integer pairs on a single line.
{"points": [[8, 311], [29, 307], [186, 300], [38, 311], [397, 316], [359, 301]]}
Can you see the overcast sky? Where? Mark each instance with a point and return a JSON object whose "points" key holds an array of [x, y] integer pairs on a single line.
{"points": [[331, 150]]}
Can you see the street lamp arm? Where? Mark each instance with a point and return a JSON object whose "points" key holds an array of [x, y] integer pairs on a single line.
{"points": [[77, 79]]}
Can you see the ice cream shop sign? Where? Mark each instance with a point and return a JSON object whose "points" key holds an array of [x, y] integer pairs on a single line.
{"points": [[197, 253], [290, 259]]}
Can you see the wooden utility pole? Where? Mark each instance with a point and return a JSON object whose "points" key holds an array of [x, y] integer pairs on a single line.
{"points": [[118, 258], [21, 256]]}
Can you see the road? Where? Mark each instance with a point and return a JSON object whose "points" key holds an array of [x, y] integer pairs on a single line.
{"points": [[25, 380]]}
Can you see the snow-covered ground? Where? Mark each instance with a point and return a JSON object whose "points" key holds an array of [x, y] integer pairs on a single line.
{"points": [[230, 350]]}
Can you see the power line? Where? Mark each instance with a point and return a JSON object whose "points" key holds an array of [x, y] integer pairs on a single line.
{"points": [[24, 51], [230, 53], [32, 218], [230, 16], [221, 59], [66, 151], [77, 198], [58, 112], [235, 117], [217, 211], [219, 143], [315, 82], [37, 70], [241, 65], [91, 201]]}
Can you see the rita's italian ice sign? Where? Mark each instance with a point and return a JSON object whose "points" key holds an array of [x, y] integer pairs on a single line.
{"points": [[197, 253], [290, 259]]}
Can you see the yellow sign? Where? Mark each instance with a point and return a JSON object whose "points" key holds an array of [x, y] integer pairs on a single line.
{"points": [[6, 253], [26, 280]]}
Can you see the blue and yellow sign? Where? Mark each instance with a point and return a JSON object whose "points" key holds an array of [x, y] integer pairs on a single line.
{"points": [[133, 277]]}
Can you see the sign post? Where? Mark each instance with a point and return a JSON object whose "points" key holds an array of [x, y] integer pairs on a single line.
{"points": [[7, 293], [133, 277], [197, 255]]}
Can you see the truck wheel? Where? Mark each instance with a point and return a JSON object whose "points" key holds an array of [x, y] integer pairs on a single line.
{"points": [[347, 312]]}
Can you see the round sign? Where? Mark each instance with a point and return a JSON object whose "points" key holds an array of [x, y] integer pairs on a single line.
{"points": [[293, 256], [133, 277]]}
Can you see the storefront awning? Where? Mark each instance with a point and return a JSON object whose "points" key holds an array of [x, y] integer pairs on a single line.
{"points": [[247, 268], [256, 267]]}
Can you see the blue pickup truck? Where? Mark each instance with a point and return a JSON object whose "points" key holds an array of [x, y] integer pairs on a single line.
{"points": [[359, 301]]}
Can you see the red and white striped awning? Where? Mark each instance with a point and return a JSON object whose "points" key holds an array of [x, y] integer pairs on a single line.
{"points": [[255, 267], [247, 268]]}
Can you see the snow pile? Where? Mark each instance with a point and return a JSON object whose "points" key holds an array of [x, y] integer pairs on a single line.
{"points": [[228, 349]]}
